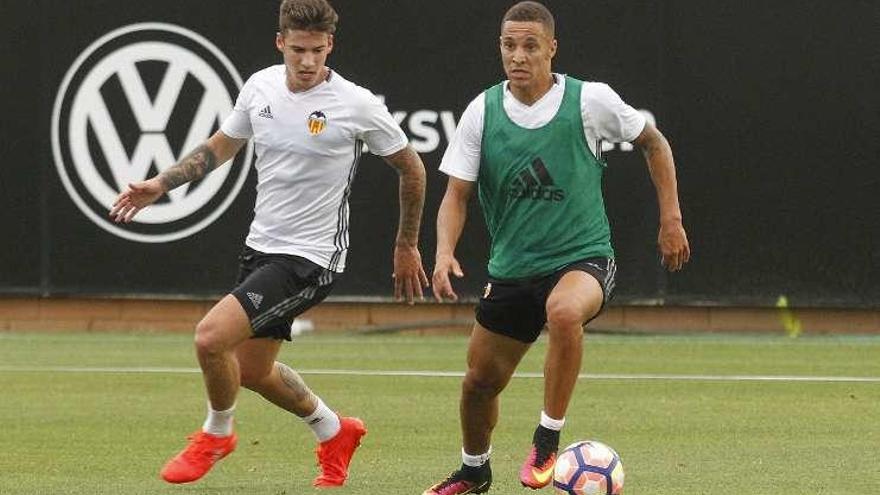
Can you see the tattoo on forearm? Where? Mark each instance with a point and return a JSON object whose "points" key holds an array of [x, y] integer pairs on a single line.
{"points": [[294, 382], [200, 162], [412, 199]]}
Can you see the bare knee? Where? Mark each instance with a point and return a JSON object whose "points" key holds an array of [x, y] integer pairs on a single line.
{"points": [[481, 385], [208, 339], [564, 316], [222, 329], [565, 329]]}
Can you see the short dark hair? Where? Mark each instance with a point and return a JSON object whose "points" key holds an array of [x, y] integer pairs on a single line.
{"points": [[531, 12], [307, 15]]}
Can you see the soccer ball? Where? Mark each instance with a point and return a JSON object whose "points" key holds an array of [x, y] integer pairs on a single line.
{"points": [[588, 468]]}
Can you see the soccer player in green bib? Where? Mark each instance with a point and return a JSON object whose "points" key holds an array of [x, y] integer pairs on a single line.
{"points": [[531, 147]]}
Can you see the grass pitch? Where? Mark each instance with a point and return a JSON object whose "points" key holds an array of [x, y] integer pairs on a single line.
{"points": [[707, 414]]}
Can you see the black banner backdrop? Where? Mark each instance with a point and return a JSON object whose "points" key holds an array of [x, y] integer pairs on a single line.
{"points": [[771, 109]]}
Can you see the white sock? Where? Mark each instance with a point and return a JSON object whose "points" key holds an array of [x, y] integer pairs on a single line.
{"points": [[324, 422], [550, 423], [219, 423], [475, 460]]}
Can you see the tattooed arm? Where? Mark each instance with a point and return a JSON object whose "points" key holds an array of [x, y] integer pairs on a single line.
{"points": [[217, 150], [198, 163], [409, 276], [672, 239]]}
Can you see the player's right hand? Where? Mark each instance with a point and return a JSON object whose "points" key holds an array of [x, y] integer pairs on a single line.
{"points": [[135, 198], [673, 243], [441, 285]]}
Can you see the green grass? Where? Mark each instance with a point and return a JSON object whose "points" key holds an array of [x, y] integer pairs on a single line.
{"points": [[68, 430]]}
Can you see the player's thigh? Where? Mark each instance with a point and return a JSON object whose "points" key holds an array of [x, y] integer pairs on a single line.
{"points": [[256, 357], [492, 358], [574, 300], [224, 326]]}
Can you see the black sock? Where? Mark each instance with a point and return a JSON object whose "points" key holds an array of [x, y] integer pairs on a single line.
{"points": [[545, 439], [475, 473]]}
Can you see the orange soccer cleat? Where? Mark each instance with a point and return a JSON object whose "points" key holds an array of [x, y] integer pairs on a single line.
{"points": [[203, 451], [537, 470], [335, 455]]}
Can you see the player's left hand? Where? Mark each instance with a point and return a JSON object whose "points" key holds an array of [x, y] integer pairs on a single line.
{"points": [[409, 275], [673, 244]]}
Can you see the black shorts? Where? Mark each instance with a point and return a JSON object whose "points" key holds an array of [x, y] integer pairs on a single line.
{"points": [[274, 289], [517, 307]]}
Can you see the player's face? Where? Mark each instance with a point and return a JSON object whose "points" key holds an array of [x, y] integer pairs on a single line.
{"points": [[305, 53], [526, 52]]}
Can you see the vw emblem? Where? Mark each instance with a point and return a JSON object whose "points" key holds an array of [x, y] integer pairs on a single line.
{"points": [[131, 105]]}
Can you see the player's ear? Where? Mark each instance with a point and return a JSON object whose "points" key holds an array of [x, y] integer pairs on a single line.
{"points": [[329, 43], [279, 42], [553, 47]]}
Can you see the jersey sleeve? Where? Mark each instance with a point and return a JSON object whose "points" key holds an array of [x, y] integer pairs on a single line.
{"points": [[607, 117], [238, 123], [376, 126], [462, 157]]}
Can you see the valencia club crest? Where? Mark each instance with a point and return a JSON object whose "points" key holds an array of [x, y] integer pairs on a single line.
{"points": [[317, 121]]}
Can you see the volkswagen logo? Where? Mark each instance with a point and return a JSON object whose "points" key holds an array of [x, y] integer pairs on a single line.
{"points": [[131, 105]]}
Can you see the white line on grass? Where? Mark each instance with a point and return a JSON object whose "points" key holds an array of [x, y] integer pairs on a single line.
{"points": [[459, 374], [736, 339]]}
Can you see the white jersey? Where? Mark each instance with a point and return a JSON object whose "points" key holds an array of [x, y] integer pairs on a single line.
{"points": [[308, 145], [605, 116]]}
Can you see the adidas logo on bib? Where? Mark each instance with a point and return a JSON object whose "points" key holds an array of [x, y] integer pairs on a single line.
{"points": [[535, 183], [256, 299], [266, 113]]}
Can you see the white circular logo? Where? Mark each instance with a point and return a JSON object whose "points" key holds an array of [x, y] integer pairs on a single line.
{"points": [[131, 105]]}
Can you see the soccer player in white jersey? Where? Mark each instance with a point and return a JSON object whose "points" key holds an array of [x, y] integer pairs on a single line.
{"points": [[532, 146], [309, 125]]}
